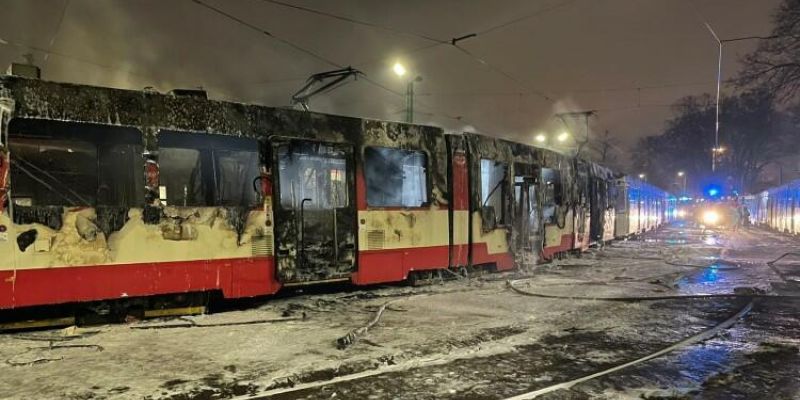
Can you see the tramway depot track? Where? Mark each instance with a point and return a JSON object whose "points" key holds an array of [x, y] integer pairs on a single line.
{"points": [[476, 338]]}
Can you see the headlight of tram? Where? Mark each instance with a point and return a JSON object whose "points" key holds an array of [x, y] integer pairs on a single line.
{"points": [[710, 217]]}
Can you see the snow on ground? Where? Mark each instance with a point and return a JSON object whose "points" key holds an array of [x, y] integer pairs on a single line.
{"points": [[465, 338]]}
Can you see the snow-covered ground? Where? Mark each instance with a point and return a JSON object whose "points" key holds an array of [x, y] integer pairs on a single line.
{"points": [[464, 338]]}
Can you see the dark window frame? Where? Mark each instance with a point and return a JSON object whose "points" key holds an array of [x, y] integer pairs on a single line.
{"points": [[426, 176], [211, 148], [280, 191], [108, 144], [552, 194], [502, 190]]}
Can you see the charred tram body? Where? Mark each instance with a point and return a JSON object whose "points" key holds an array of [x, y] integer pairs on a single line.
{"points": [[118, 196]]}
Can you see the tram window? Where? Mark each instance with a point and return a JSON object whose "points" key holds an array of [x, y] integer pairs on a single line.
{"points": [[493, 191], [612, 193], [620, 198], [60, 163], [203, 170], [551, 195], [313, 171], [236, 171], [180, 177], [395, 178]]}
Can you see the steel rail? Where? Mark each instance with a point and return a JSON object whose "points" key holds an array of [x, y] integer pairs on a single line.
{"points": [[704, 335]]}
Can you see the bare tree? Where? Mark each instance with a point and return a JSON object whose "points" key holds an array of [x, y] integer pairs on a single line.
{"points": [[604, 149], [775, 64], [754, 135]]}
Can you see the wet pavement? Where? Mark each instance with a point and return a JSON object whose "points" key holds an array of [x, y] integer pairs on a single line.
{"points": [[464, 338], [756, 358]]}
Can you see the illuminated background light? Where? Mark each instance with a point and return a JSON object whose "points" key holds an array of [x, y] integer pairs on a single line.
{"points": [[399, 69]]}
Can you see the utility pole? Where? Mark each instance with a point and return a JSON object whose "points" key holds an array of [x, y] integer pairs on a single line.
{"points": [[410, 102], [401, 71], [410, 99]]}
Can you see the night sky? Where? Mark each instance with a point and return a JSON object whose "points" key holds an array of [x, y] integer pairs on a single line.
{"points": [[627, 59]]}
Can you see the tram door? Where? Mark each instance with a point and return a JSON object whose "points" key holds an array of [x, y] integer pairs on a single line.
{"points": [[314, 211], [527, 226]]}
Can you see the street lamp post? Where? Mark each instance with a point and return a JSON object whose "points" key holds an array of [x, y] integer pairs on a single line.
{"points": [[400, 71], [719, 85], [682, 174], [720, 42]]}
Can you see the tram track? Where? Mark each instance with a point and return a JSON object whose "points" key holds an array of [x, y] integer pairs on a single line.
{"points": [[704, 335], [434, 362]]}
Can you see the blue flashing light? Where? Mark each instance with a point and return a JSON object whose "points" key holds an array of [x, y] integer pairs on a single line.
{"points": [[713, 191]]}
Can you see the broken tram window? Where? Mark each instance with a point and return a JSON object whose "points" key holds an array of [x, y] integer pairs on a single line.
{"points": [[551, 194], [493, 192], [57, 163], [203, 170], [395, 177], [313, 171]]}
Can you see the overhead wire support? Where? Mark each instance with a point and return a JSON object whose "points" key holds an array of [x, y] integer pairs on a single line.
{"points": [[453, 41]]}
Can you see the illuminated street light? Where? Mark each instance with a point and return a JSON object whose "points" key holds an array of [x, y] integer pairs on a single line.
{"points": [[563, 136], [642, 176], [680, 173], [540, 138], [399, 69]]}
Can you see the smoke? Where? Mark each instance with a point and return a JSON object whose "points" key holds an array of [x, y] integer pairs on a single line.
{"points": [[178, 44]]}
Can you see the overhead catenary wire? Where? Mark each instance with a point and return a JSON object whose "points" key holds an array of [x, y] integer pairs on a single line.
{"points": [[433, 42], [580, 90], [356, 21], [436, 42], [56, 31], [503, 73], [524, 17], [301, 49], [269, 34]]}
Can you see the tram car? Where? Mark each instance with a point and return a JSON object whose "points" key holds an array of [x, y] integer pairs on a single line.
{"points": [[112, 196], [642, 207], [777, 208]]}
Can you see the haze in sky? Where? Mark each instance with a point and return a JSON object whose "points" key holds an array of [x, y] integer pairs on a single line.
{"points": [[627, 59]]}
